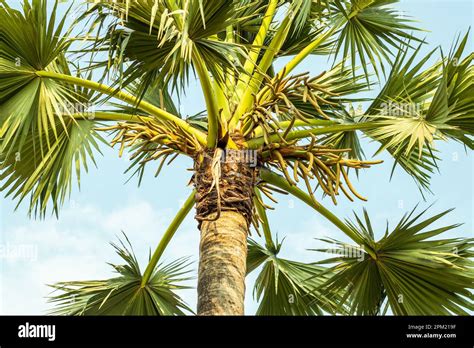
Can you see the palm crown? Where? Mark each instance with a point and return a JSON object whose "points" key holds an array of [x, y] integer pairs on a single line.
{"points": [[289, 133]]}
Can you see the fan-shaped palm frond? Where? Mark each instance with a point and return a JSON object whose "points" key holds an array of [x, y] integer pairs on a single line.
{"points": [[458, 88], [369, 29], [48, 122], [418, 275], [125, 294], [311, 19], [46, 174], [417, 107], [29, 105], [156, 41], [283, 287], [47, 129]]}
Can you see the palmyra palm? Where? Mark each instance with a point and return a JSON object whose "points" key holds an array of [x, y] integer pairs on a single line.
{"points": [[263, 131]]}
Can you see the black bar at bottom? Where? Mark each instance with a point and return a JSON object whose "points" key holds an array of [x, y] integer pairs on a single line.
{"points": [[291, 331]]}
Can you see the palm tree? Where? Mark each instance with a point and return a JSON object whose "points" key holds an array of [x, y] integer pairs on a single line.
{"points": [[263, 132]]}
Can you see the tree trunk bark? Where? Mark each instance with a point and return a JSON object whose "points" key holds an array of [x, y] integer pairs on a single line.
{"points": [[222, 265], [224, 208]]}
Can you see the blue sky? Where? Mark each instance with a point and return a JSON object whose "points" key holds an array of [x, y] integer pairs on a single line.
{"points": [[76, 246]]}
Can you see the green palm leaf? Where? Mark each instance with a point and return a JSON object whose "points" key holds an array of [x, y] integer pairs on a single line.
{"points": [[283, 287], [124, 295], [417, 274], [311, 19], [457, 91], [29, 105], [46, 174], [42, 145], [417, 107], [156, 41], [369, 29]]}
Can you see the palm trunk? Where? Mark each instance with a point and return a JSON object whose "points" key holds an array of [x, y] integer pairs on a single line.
{"points": [[222, 265], [224, 190]]}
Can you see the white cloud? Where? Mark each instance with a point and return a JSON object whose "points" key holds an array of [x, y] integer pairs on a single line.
{"points": [[76, 247]]}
